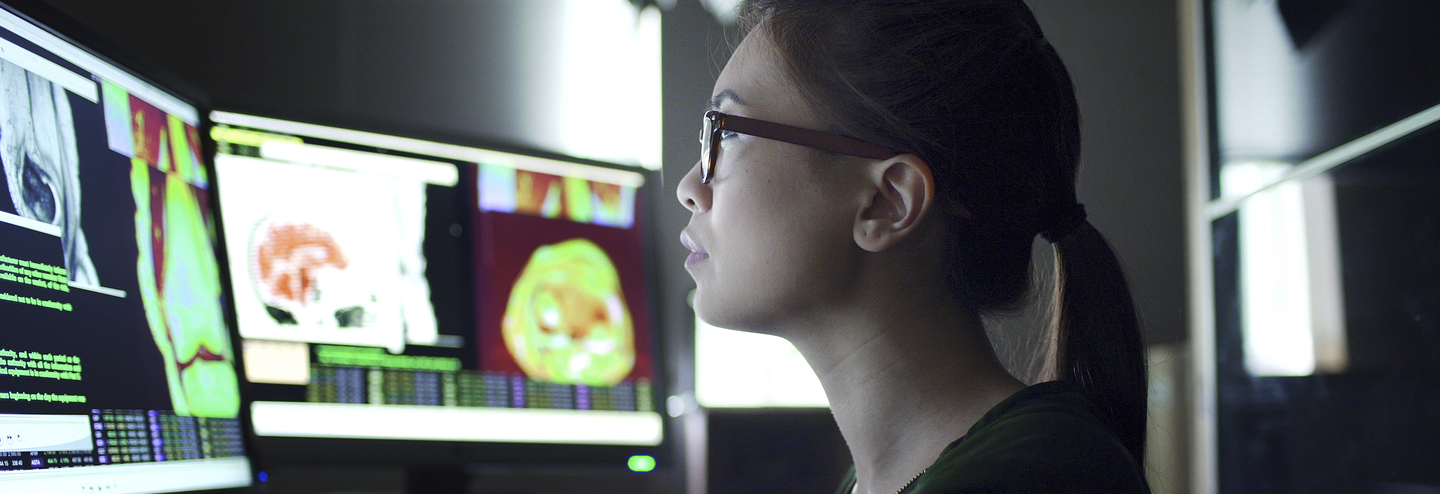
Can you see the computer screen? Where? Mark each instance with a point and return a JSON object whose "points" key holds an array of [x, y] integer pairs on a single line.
{"points": [[117, 372], [397, 289], [736, 369]]}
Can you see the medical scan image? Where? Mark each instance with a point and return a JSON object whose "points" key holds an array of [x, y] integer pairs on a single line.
{"points": [[41, 163], [566, 320], [180, 288], [301, 274]]}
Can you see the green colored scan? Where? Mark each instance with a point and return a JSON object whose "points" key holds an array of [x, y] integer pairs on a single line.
{"points": [[180, 288], [566, 320]]}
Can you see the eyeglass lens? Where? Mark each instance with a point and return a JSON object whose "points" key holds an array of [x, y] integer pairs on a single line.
{"points": [[708, 152]]}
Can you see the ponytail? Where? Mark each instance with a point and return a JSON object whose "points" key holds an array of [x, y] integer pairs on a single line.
{"points": [[1100, 345]]}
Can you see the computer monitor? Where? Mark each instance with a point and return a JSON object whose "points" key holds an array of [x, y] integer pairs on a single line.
{"points": [[117, 372], [736, 369], [392, 291]]}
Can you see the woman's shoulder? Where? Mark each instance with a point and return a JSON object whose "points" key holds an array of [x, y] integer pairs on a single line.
{"points": [[1046, 438]]}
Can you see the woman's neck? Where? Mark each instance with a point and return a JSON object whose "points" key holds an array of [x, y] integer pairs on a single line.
{"points": [[905, 377]]}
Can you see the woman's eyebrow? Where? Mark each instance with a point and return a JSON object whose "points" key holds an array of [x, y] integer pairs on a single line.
{"points": [[723, 95]]}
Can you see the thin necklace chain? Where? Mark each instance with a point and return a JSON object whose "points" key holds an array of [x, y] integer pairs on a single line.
{"points": [[912, 480], [902, 488]]}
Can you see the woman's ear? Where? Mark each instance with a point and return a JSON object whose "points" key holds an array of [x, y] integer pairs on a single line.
{"points": [[903, 191]]}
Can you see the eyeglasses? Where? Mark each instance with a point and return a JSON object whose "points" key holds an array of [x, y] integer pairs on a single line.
{"points": [[716, 122]]}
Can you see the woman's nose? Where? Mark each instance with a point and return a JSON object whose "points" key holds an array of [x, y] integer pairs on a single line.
{"points": [[691, 193]]}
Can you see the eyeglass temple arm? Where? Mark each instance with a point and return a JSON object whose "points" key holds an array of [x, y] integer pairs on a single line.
{"points": [[806, 137]]}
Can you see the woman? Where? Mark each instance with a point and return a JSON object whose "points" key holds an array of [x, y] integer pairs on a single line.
{"points": [[873, 176]]}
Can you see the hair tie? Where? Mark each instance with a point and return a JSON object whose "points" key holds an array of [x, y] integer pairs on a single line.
{"points": [[1065, 225]]}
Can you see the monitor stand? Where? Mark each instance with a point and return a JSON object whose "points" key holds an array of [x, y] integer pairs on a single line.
{"points": [[436, 480], [477, 479]]}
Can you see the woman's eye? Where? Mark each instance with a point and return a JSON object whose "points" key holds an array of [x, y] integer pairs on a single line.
{"points": [[725, 135]]}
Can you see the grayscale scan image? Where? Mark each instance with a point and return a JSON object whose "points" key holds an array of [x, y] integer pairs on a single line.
{"points": [[42, 166]]}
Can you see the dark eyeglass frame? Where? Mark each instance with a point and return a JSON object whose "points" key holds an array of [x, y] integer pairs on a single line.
{"points": [[715, 122]]}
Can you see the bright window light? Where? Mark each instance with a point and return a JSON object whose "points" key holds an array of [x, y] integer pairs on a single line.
{"points": [[724, 11], [1265, 108], [1291, 298], [610, 82]]}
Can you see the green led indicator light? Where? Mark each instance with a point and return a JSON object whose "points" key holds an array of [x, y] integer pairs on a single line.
{"points": [[642, 463]]}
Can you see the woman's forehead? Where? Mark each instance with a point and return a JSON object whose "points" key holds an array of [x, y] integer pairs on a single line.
{"points": [[754, 83]]}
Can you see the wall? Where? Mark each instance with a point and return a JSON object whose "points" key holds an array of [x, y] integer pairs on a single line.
{"points": [[1124, 56]]}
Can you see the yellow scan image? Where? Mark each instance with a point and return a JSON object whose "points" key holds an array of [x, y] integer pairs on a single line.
{"points": [[566, 320]]}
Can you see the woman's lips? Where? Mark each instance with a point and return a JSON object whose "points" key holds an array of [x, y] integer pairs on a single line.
{"points": [[696, 253]]}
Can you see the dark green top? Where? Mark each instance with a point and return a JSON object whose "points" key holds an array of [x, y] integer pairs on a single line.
{"points": [[1047, 438]]}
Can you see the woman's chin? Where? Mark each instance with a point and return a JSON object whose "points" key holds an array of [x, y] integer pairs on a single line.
{"points": [[706, 309], [720, 314]]}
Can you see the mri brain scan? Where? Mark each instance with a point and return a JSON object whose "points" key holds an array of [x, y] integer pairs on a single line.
{"points": [[301, 275]]}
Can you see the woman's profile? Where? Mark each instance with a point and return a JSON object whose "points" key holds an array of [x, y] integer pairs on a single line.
{"points": [[872, 177]]}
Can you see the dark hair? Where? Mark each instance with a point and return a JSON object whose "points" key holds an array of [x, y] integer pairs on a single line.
{"points": [[975, 89]]}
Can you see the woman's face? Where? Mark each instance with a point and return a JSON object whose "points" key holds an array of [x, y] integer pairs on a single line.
{"points": [[771, 234]]}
